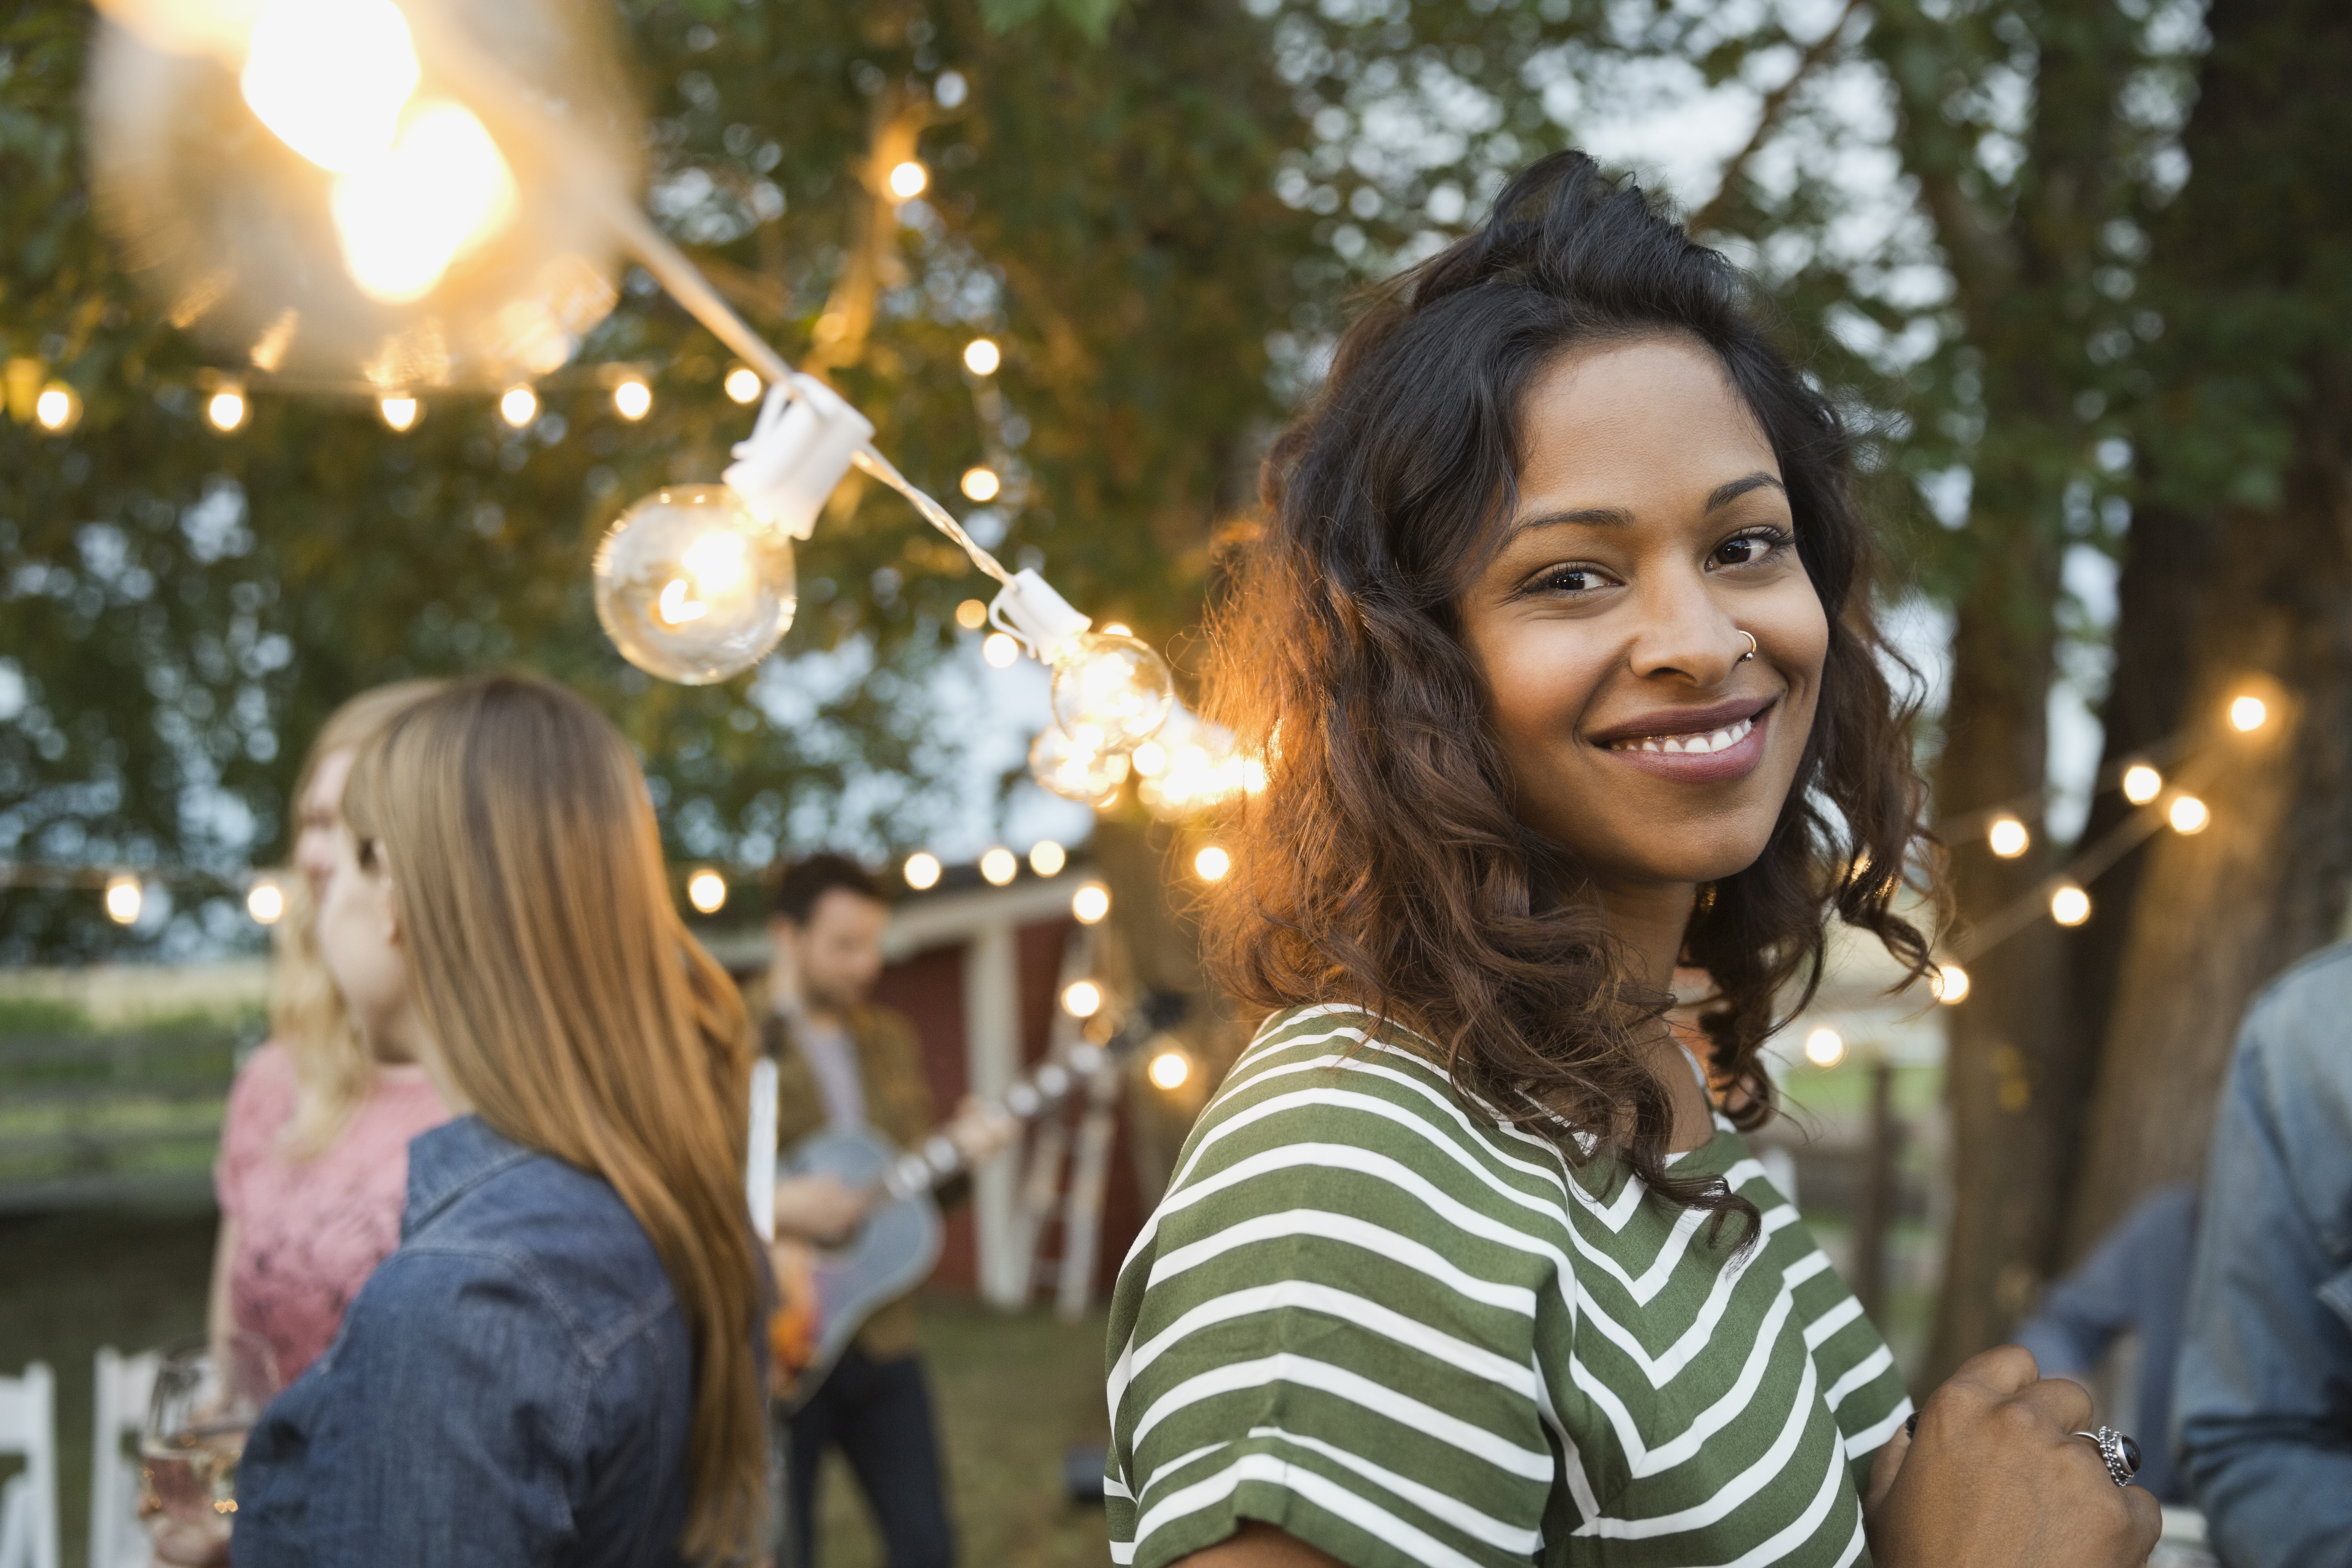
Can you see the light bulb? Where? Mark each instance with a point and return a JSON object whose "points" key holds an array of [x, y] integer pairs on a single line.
{"points": [[909, 180], [980, 356], [57, 408], [1948, 984], [405, 217], [690, 586], [331, 76], [226, 409], [1074, 770], [1047, 858], [400, 411], [923, 870], [1000, 650], [2142, 784], [1150, 759], [1824, 1048], [265, 902], [1169, 1070], [744, 384], [972, 615], [2247, 714], [2188, 814], [2008, 838], [124, 899], [707, 891], [1111, 692], [1212, 864], [1082, 999], [633, 399], [980, 482], [519, 406], [2069, 905], [999, 866], [1090, 903]]}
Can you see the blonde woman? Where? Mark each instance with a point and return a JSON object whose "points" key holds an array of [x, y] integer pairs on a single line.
{"points": [[559, 1366], [314, 1149]]}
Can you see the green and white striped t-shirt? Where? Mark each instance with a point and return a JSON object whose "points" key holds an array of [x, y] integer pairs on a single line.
{"points": [[1375, 1315]]}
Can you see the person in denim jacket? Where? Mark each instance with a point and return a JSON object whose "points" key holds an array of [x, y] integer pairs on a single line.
{"points": [[560, 1364], [2263, 1404]]}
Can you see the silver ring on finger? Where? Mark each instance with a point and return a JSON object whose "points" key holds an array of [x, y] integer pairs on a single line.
{"points": [[2118, 1452]]}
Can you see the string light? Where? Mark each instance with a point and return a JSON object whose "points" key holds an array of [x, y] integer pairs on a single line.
{"points": [[124, 899], [707, 891], [999, 866], [2008, 838], [57, 409], [1169, 1070], [226, 409], [265, 901], [2069, 905], [909, 180], [1047, 858], [923, 870], [972, 615], [1000, 650], [1111, 690], [981, 356], [2248, 713], [1825, 1047], [2142, 784], [1212, 864], [1948, 984], [1082, 999], [980, 482], [1090, 903], [693, 587], [1151, 760], [744, 384], [633, 399], [2188, 814], [330, 78], [519, 406], [400, 411], [408, 213], [1073, 770]]}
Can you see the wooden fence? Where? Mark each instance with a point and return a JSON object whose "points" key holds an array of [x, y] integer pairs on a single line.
{"points": [[102, 1119]]}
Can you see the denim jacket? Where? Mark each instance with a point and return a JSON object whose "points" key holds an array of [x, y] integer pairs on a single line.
{"points": [[2263, 1402], [512, 1386]]}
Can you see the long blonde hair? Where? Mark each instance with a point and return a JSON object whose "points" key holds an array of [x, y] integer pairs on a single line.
{"points": [[334, 1071], [566, 1001]]}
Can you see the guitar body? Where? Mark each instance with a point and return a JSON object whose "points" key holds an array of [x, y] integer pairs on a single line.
{"points": [[827, 1293]]}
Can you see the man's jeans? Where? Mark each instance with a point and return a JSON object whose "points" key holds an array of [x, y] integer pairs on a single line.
{"points": [[879, 1413]]}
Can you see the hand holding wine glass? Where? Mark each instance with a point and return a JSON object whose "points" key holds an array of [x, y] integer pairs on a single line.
{"points": [[208, 1393]]}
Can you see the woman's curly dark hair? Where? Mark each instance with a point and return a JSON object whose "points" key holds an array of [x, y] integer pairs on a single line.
{"points": [[1383, 865]]}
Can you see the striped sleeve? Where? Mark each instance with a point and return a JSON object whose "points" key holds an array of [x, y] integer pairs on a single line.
{"points": [[1321, 1329]]}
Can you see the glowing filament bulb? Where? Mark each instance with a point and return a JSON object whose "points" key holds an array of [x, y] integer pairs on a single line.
{"points": [[692, 587], [265, 902], [981, 483], [981, 356], [2142, 784], [1090, 903], [519, 406], [1824, 1048], [999, 866], [909, 180], [923, 870], [405, 218], [972, 615], [226, 409], [744, 384], [1212, 864], [331, 76], [1169, 1070], [1000, 650], [2008, 838], [400, 411], [1082, 999], [633, 399], [2069, 905], [1112, 687], [707, 891], [124, 899], [2188, 814], [2247, 714], [676, 606], [57, 408], [1047, 858], [1948, 984]]}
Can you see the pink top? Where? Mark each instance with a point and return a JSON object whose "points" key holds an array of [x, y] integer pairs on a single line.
{"points": [[309, 1234]]}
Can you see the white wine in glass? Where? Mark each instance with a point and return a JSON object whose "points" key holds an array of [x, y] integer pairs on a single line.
{"points": [[207, 1396]]}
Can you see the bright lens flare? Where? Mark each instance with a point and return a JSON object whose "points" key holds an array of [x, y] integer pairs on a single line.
{"points": [[519, 406], [1090, 903], [405, 218], [744, 384], [2008, 838], [909, 180], [1000, 650], [265, 902], [981, 356], [400, 413], [980, 482], [922, 871], [1212, 864], [1047, 858], [1825, 1047], [2188, 814], [2070, 906], [707, 891], [1169, 1069], [124, 899], [1948, 984], [633, 399], [999, 866], [1083, 999], [2247, 714], [331, 76], [2142, 784], [226, 410]]}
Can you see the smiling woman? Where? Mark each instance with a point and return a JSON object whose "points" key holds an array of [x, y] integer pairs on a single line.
{"points": [[1559, 649]]}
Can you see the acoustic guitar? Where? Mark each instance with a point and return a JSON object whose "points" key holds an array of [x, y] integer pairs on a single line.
{"points": [[825, 1294]]}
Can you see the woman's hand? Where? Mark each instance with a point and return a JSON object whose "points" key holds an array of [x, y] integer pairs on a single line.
{"points": [[1996, 1479], [821, 1208]]}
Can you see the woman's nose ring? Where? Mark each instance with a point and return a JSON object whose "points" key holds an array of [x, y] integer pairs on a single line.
{"points": [[1744, 658]]}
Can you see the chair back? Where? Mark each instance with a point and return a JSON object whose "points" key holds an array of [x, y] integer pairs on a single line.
{"points": [[28, 1503], [125, 1384]]}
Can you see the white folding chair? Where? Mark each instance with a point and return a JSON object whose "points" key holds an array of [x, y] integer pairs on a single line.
{"points": [[28, 1503], [125, 1384]]}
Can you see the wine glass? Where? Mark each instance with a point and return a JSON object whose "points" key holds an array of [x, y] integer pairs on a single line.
{"points": [[208, 1393]]}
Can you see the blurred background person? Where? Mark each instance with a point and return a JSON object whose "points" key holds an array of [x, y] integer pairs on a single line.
{"points": [[559, 1363], [2265, 1398], [845, 1062], [313, 1165]]}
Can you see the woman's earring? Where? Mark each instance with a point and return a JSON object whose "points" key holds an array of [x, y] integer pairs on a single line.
{"points": [[1744, 658]]}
